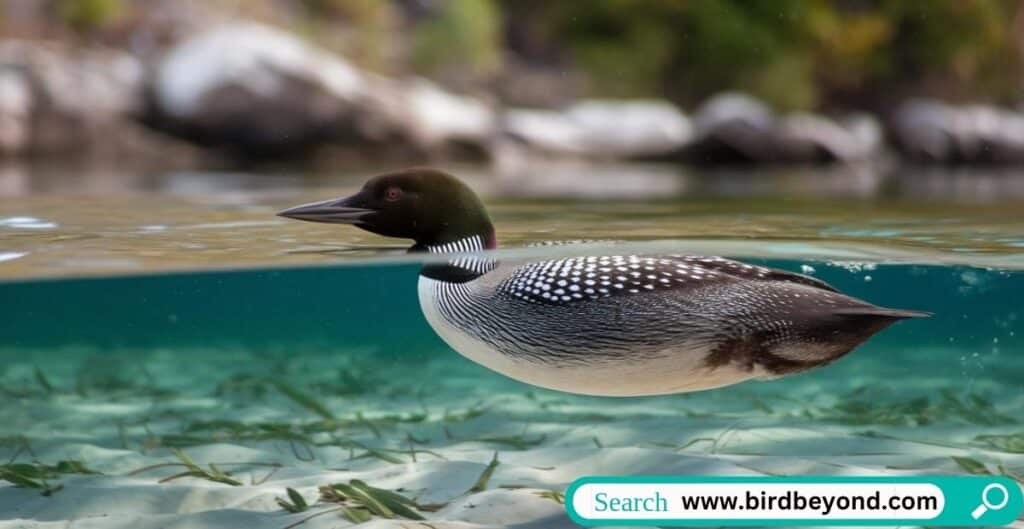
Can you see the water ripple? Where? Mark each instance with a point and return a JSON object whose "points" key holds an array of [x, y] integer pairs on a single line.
{"points": [[27, 222]]}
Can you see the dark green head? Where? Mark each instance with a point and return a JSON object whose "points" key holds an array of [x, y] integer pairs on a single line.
{"points": [[426, 205]]}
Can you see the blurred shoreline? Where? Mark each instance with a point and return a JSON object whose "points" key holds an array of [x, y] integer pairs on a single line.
{"points": [[199, 86]]}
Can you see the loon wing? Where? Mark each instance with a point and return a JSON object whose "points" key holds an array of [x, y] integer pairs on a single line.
{"points": [[752, 272], [720, 264], [568, 280]]}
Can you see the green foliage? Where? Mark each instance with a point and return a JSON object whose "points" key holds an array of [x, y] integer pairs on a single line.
{"points": [[971, 465], [88, 15], [862, 407], [461, 35], [297, 503], [368, 28], [39, 476], [1013, 443], [213, 473], [796, 54], [359, 502], [553, 495], [485, 476]]}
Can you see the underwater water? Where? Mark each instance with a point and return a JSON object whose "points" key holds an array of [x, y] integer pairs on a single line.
{"points": [[204, 357]]}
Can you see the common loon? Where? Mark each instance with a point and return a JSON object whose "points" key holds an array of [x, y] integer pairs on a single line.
{"points": [[611, 325]]}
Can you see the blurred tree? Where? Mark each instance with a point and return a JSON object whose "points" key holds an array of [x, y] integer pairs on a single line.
{"points": [[459, 38], [797, 54], [367, 28], [86, 16]]}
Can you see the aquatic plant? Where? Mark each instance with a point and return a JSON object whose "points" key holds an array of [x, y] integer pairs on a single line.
{"points": [[519, 442], [99, 375], [20, 444], [359, 502], [297, 503], [553, 495], [29, 476], [42, 380], [38, 475], [485, 476], [302, 399], [472, 412], [194, 470], [1013, 442], [976, 467], [864, 406], [970, 465]]}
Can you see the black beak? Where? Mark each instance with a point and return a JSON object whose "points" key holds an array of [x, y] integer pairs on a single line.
{"points": [[336, 211]]}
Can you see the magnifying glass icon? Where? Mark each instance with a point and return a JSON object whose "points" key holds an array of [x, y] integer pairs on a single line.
{"points": [[987, 505]]}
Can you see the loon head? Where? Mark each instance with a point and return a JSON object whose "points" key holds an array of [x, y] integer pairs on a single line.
{"points": [[431, 207]]}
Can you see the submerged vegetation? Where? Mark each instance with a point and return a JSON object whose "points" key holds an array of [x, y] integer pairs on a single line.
{"points": [[359, 502], [195, 471], [338, 421], [40, 476], [862, 407]]}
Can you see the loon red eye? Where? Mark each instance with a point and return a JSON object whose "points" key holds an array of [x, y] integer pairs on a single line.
{"points": [[392, 194]]}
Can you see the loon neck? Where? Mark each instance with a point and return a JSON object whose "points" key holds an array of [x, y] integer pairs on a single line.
{"points": [[472, 243], [460, 269], [469, 243]]}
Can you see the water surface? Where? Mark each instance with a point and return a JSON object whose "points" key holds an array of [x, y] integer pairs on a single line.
{"points": [[186, 316]]}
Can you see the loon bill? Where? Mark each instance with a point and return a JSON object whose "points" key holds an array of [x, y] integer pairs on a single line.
{"points": [[613, 325]]}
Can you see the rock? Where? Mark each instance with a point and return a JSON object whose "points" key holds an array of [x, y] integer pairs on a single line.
{"points": [[602, 129], [251, 87], [15, 111], [436, 118], [632, 129], [807, 137], [932, 131], [69, 100], [257, 89], [736, 128], [732, 127]]}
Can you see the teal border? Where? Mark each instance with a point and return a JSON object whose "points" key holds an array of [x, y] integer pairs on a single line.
{"points": [[962, 494]]}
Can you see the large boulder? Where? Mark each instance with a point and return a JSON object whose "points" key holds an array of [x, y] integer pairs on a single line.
{"points": [[935, 132], [602, 129], [814, 138], [434, 120], [258, 89], [252, 87], [57, 99], [737, 128], [732, 127]]}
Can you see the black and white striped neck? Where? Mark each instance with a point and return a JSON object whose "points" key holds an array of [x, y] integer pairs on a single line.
{"points": [[473, 243], [460, 269]]}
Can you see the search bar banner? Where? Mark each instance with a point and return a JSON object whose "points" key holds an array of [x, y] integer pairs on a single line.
{"points": [[807, 500]]}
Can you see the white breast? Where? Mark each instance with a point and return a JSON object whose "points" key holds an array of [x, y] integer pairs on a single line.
{"points": [[677, 370]]}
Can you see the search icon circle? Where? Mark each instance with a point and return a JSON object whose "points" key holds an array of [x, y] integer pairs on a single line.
{"points": [[987, 504]]}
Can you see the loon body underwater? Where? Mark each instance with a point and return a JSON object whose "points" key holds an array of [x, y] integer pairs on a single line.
{"points": [[608, 325]]}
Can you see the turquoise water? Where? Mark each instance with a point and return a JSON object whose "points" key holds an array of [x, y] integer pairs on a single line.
{"points": [[176, 325], [315, 310], [960, 371]]}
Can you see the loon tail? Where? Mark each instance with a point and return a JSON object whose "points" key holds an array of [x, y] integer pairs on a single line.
{"points": [[882, 312]]}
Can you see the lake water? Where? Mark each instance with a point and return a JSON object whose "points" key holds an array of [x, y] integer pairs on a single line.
{"points": [[148, 313]]}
